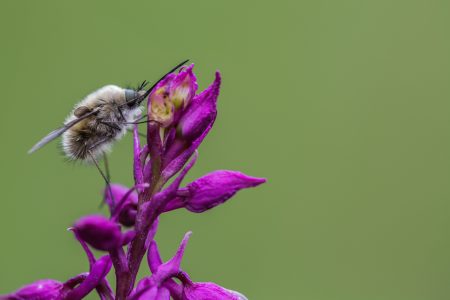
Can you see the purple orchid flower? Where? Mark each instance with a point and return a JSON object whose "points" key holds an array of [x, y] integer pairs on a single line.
{"points": [[122, 203], [179, 120], [212, 190], [74, 289], [42, 289], [101, 233], [208, 291], [163, 272]]}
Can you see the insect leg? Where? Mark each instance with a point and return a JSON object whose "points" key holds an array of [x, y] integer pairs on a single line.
{"points": [[142, 85], [143, 117], [108, 183], [139, 133], [105, 162], [141, 122], [121, 113], [105, 177], [112, 125]]}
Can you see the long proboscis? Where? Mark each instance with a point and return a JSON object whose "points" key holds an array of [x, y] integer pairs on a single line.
{"points": [[141, 98]]}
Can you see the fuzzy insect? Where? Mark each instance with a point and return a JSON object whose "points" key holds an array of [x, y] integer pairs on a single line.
{"points": [[99, 120]]}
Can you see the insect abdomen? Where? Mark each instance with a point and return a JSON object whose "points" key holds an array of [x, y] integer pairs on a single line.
{"points": [[88, 141]]}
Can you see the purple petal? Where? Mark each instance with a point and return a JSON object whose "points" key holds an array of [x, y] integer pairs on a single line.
{"points": [[193, 127], [46, 289], [153, 257], [127, 215], [146, 288], [127, 204], [155, 147], [175, 289], [160, 88], [160, 200], [118, 192], [99, 271], [161, 109], [151, 233], [128, 236], [163, 294], [183, 87], [215, 188], [169, 139], [171, 267], [137, 168], [209, 291], [162, 274], [146, 291], [175, 203], [154, 261], [104, 288], [177, 164], [143, 284], [87, 251], [99, 232], [145, 294], [201, 113], [74, 281]]}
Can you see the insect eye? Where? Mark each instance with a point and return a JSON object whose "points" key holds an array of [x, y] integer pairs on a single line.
{"points": [[131, 97]]}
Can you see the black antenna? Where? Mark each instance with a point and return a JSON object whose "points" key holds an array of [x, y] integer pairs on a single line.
{"points": [[171, 71], [141, 98]]}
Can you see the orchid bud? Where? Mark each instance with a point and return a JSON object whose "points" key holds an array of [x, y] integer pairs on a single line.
{"points": [[115, 193], [201, 113], [127, 215], [209, 291], [215, 188], [99, 232], [43, 289]]}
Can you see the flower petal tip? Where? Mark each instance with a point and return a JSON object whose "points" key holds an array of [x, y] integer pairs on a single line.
{"points": [[209, 291]]}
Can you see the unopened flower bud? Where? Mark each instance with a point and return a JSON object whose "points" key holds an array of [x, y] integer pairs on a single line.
{"points": [[201, 113], [209, 291], [115, 193], [215, 188], [100, 232], [127, 215], [43, 289]]}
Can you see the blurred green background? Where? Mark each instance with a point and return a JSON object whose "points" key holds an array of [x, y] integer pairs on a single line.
{"points": [[343, 106]]}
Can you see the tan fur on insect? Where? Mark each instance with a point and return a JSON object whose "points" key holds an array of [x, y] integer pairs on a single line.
{"points": [[94, 136]]}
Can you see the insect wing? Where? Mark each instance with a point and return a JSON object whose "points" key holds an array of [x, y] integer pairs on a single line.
{"points": [[58, 132]]}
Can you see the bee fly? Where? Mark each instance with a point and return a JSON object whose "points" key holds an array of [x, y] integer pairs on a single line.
{"points": [[99, 120]]}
